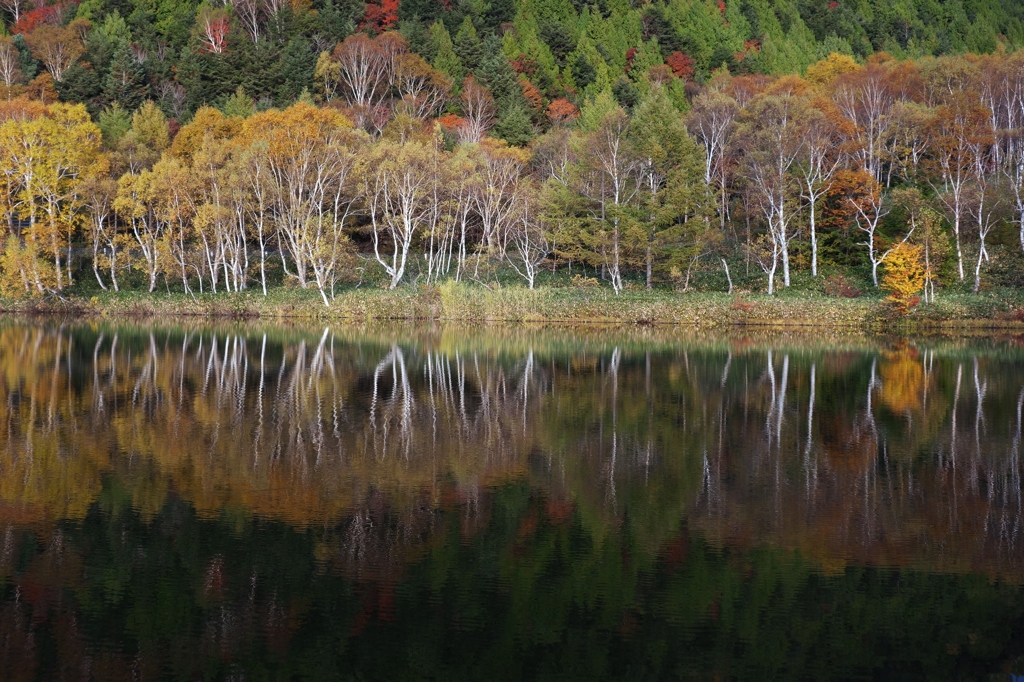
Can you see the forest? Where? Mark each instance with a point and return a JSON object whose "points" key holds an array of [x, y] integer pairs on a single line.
{"points": [[683, 145]]}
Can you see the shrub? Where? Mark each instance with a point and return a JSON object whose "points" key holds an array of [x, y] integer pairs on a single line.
{"points": [[839, 286], [581, 281], [904, 276]]}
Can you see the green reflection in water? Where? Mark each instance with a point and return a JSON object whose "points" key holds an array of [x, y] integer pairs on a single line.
{"points": [[525, 592]]}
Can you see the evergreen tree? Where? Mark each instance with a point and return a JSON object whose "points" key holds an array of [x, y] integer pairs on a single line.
{"points": [[417, 32], [126, 81], [29, 66], [583, 72], [558, 39], [113, 122], [239, 104], [336, 19], [515, 127], [468, 46], [445, 59], [298, 63], [426, 11], [499, 12], [204, 76], [625, 93], [81, 83], [498, 76]]}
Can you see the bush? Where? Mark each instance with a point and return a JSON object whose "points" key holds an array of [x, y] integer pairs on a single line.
{"points": [[581, 281], [904, 276], [839, 286]]}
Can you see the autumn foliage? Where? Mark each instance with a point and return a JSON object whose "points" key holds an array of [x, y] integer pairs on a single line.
{"points": [[381, 16], [681, 65], [562, 110], [904, 276], [47, 15]]}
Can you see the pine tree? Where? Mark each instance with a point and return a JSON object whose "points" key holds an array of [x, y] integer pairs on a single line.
{"points": [[239, 104], [499, 77], [114, 122], [499, 12], [337, 18], [298, 63], [422, 10], [81, 83], [445, 60], [126, 81], [204, 76], [29, 66], [514, 127], [468, 46]]}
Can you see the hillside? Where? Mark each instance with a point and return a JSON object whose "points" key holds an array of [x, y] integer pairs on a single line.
{"points": [[183, 54]]}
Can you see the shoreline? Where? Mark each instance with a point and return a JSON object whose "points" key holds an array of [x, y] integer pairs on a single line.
{"points": [[556, 306]]}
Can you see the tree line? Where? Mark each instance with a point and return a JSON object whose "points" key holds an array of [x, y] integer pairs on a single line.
{"points": [[186, 53], [842, 167]]}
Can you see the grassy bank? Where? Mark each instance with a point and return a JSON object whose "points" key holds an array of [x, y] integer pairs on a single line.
{"points": [[551, 305]]}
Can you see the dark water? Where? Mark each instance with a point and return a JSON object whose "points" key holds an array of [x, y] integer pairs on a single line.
{"points": [[261, 503]]}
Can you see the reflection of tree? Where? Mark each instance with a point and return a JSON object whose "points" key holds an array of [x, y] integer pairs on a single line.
{"points": [[888, 456], [532, 592]]}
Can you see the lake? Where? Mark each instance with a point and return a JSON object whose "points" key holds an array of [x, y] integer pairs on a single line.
{"points": [[251, 502]]}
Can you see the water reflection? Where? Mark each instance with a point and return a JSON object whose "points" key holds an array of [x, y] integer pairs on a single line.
{"points": [[278, 476]]}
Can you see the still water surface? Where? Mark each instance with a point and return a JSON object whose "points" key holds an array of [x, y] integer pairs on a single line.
{"points": [[254, 502]]}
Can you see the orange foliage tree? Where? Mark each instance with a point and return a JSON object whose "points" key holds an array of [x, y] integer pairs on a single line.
{"points": [[904, 276]]}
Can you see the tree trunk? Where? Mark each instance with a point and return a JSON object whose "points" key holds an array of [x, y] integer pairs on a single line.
{"points": [[814, 245], [650, 264]]}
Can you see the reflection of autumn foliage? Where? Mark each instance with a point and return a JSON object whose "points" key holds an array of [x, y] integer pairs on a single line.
{"points": [[125, 599], [220, 499], [314, 429], [848, 447], [902, 380]]}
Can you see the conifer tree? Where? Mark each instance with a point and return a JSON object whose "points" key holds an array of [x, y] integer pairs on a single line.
{"points": [[514, 126], [113, 122], [445, 59], [468, 46], [126, 81], [498, 75]]}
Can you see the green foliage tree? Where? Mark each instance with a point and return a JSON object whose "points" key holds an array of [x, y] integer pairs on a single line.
{"points": [[445, 59], [126, 81], [468, 46]]}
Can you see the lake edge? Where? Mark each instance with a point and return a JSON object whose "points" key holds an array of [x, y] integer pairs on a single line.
{"points": [[547, 305]]}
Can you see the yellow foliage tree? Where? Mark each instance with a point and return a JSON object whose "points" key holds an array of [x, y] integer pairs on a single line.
{"points": [[825, 72], [904, 276]]}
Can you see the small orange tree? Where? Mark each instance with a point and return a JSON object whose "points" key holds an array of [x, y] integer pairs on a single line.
{"points": [[904, 276]]}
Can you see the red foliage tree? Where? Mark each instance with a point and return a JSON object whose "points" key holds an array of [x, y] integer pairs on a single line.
{"points": [[630, 56], [213, 29], [37, 17], [681, 65], [525, 65], [451, 122], [381, 16], [562, 110], [531, 93]]}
